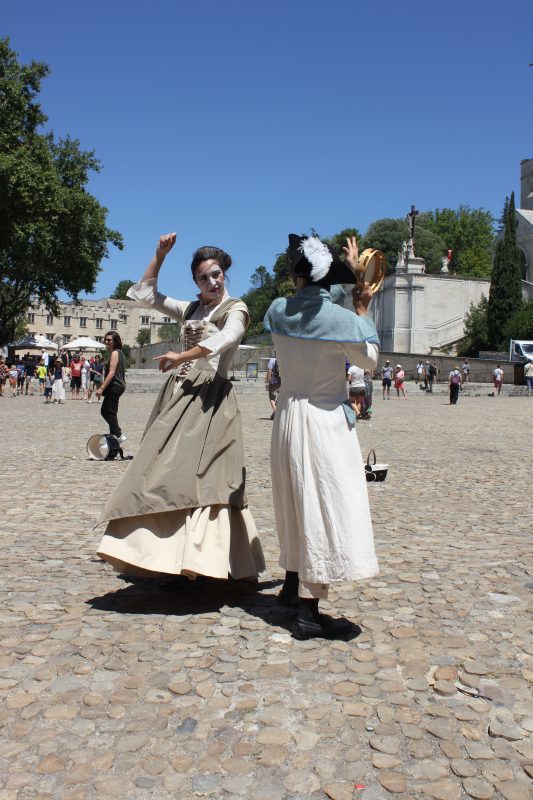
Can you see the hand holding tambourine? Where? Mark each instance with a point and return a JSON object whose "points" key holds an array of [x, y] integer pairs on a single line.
{"points": [[368, 268]]}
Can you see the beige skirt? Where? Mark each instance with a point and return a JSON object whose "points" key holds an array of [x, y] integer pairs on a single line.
{"points": [[180, 507]]}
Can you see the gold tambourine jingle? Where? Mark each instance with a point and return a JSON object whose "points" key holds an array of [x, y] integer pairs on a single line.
{"points": [[371, 268]]}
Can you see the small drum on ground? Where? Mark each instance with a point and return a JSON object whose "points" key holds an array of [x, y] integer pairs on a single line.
{"points": [[104, 447]]}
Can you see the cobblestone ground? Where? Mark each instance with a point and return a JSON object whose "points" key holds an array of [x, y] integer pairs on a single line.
{"points": [[114, 690]]}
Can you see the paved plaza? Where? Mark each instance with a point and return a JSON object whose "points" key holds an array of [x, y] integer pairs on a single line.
{"points": [[125, 690]]}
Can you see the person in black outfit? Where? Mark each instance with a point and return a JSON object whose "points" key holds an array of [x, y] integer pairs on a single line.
{"points": [[114, 384]]}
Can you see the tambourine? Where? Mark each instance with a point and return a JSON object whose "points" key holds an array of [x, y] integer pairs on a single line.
{"points": [[370, 269]]}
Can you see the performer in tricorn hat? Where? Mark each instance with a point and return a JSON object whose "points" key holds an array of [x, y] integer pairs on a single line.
{"points": [[318, 481]]}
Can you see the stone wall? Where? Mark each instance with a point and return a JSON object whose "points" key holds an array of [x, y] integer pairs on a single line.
{"points": [[142, 357], [424, 313]]}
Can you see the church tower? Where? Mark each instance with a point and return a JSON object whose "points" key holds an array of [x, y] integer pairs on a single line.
{"points": [[526, 184]]}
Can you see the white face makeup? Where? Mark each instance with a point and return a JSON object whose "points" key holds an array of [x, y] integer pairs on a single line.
{"points": [[210, 280]]}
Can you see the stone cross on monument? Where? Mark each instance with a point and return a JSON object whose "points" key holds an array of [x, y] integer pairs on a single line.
{"points": [[407, 261], [411, 216]]}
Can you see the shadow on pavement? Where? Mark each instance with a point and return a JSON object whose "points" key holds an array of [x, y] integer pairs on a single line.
{"points": [[180, 597]]}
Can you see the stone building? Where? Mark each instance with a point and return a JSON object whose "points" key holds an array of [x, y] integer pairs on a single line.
{"points": [[94, 317], [524, 228]]}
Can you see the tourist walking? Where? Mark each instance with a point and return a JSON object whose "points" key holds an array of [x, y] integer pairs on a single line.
{"points": [[48, 388], [366, 405], [76, 366], [21, 376], [273, 382], [498, 377], [4, 375], [528, 374], [181, 505], [59, 374], [466, 371], [431, 374], [31, 368], [85, 378], [386, 379], [356, 389], [318, 482], [399, 381], [13, 379], [454, 384], [96, 377], [419, 373], [114, 385], [42, 372]]}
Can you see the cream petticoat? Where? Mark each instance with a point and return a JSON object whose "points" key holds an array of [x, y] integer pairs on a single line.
{"points": [[213, 541]]}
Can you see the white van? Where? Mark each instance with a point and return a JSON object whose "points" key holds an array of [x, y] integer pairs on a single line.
{"points": [[520, 350]]}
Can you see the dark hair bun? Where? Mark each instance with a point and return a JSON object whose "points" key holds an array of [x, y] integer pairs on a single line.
{"points": [[205, 253]]}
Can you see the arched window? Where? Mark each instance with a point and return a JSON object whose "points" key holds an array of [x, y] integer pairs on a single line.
{"points": [[523, 265]]}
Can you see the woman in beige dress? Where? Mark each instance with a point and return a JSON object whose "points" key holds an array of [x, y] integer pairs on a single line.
{"points": [[180, 507]]}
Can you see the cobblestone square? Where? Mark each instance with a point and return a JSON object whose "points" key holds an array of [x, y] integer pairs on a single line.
{"points": [[138, 690]]}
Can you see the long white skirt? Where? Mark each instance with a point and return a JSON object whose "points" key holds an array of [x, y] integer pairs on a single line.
{"points": [[320, 494], [58, 390]]}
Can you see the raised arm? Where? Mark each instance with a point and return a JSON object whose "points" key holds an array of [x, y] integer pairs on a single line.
{"points": [[145, 291], [365, 354], [164, 246]]}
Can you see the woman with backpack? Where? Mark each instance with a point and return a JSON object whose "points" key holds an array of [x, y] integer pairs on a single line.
{"points": [[454, 382]]}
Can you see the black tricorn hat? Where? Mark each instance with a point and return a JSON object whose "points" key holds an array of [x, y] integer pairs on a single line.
{"points": [[311, 258]]}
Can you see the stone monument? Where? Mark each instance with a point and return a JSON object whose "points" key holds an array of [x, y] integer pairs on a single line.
{"points": [[407, 262], [418, 312]]}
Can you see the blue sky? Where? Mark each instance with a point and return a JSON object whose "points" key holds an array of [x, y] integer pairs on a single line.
{"points": [[236, 122]]}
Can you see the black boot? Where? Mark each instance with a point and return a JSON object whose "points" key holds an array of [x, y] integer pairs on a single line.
{"points": [[310, 624], [288, 596]]}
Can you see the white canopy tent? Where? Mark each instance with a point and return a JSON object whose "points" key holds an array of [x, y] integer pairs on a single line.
{"points": [[48, 344], [84, 343]]}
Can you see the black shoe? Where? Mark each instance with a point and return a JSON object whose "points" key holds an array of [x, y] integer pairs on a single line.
{"points": [[272, 415], [287, 599], [323, 627]]}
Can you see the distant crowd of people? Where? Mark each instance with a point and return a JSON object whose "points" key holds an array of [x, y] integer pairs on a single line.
{"points": [[84, 376], [50, 377], [360, 382]]}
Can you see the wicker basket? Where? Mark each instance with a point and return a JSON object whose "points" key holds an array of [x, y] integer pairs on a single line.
{"points": [[375, 472]]}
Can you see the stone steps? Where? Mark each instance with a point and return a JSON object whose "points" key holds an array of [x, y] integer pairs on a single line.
{"points": [[151, 380]]}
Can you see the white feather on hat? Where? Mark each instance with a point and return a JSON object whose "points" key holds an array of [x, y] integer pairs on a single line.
{"points": [[318, 256]]}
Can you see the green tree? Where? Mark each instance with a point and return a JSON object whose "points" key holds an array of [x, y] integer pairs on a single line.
{"points": [[53, 235], [388, 235], [520, 323], [258, 298], [338, 240], [126, 349], [261, 279], [505, 297], [143, 337], [121, 290], [169, 332], [476, 330], [469, 233]]}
